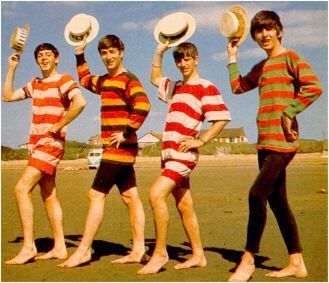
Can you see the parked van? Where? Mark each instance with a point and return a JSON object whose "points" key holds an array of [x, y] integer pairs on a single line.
{"points": [[94, 158]]}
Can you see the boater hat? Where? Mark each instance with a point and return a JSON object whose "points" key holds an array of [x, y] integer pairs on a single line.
{"points": [[19, 38], [79, 26], [176, 28], [235, 24]]}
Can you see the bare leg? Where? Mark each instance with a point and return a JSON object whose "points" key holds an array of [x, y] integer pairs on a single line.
{"points": [[23, 189], [295, 268], [184, 205], [245, 269], [158, 197], [55, 216], [137, 222], [94, 219]]}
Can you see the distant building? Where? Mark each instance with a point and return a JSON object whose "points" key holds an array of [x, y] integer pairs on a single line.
{"points": [[24, 146], [234, 135], [95, 141], [149, 139]]}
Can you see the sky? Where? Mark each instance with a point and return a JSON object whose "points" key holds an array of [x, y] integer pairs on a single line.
{"points": [[305, 30]]}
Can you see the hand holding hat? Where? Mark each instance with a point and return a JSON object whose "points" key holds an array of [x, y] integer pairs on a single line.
{"points": [[234, 24], [175, 28], [19, 38], [81, 27]]}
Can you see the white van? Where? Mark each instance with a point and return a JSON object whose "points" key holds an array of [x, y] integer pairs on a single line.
{"points": [[94, 158]]}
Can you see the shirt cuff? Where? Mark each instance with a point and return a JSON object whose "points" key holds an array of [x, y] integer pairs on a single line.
{"points": [[80, 59], [128, 131]]}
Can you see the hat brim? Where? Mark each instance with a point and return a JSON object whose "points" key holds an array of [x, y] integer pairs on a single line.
{"points": [[174, 42], [94, 31], [241, 11]]}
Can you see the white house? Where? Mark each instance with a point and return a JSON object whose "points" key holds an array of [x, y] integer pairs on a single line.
{"points": [[149, 139], [233, 135]]}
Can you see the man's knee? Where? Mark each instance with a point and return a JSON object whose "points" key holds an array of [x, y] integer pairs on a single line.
{"points": [[130, 196], [156, 198], [257, 196], [184, 205], [21, 189], [95, 196]]}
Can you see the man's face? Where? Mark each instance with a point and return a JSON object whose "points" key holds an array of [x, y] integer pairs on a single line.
{"points": [[267, 38], [47, 60], [112, 58], [187, 65]]}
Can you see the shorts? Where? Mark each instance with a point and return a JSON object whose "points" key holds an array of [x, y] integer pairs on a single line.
{"points": [[178, 171], [110, 174], [46, 157]]}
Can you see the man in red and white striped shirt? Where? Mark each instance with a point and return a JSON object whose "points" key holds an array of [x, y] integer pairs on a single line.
{"points": [[190, 102], [56, 101]]}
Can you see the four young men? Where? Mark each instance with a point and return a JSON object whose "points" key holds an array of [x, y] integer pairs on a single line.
{"points": [[287, 85]]}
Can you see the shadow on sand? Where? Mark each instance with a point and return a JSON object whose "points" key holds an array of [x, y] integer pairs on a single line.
{"points": [[103, 248]]}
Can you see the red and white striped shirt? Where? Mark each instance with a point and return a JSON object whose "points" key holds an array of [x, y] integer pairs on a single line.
{"points": [[189, 105], [50, 99]]}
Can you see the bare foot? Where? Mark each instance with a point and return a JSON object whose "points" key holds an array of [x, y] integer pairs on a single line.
{"points": [[23, 256], [289, 271], [194, 261], [242, 273], [131, 258], [295, 268], [77, 258], [54, 254], [154, 265]]}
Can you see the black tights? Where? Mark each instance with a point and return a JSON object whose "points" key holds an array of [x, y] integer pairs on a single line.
{"points": [[270, 186]]}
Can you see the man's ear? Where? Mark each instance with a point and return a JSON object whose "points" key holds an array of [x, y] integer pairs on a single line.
{"points": [[280, 33], [121, 53], [57, 59], [196, 60]]}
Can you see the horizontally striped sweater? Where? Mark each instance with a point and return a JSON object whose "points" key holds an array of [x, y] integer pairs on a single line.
{"points": [[189, 105], [51, 98], [286, 84], [124, 108]]}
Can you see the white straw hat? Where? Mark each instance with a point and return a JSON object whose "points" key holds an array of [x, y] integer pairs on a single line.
{"points": [[176, 28], [235, 24], [19, 38], [79, 26]]}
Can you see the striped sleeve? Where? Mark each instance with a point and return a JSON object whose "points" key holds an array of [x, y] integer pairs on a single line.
{"points": [[25, 92], [166, 89], [87, 80], [139, 103], [21, 94], [68, 86], [213, 105], [308, 85], [241, 84]]}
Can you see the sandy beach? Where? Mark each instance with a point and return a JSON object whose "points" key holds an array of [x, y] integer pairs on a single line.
{"points": [[220, 188]]}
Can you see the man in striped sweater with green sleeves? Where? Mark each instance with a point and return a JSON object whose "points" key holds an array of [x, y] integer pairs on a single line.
{"points": [[287, 86], [124, 108]]}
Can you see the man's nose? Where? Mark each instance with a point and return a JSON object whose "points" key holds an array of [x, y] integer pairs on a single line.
{"points": [[264, 32], [108, 56]]}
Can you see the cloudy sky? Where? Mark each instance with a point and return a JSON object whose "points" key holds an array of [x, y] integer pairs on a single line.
{"points": [[305, 30]]}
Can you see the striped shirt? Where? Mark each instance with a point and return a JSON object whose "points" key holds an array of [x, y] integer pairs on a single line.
{"points": [[189, 105], [124, 108], [286, 83], [50, 99]]}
